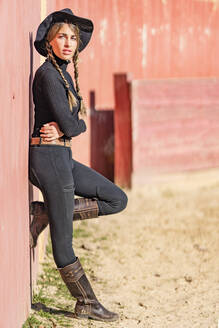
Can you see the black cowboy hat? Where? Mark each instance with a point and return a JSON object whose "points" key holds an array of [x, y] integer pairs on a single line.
{"points": [[85, 28]]}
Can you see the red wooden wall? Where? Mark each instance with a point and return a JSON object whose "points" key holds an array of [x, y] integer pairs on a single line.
{"points": [[154, 39], [175, 126], [102, 140], [150, 39], [18, 20]]}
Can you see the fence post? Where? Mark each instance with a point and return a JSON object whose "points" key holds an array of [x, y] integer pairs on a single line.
{"points": [[123, 131]]}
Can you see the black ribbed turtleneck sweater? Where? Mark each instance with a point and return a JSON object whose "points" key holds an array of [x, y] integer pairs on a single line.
{"points": [[51, 100]]}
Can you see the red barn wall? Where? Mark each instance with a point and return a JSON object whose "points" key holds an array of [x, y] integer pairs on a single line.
{"points": [[150, 39], [154, 39], [175, 126], [18, 20]]}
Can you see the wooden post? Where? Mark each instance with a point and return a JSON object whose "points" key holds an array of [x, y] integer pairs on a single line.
{"points": [[123, 131]]}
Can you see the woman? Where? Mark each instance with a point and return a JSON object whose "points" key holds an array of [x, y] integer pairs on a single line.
{"points": [[60, 37]]}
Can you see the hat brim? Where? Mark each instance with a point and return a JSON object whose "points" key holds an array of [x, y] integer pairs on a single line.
{"points": [[85, 29]]}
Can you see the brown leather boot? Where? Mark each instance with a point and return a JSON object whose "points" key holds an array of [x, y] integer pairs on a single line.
{"points": [[87, 305], [39, 222], [84, 208]]}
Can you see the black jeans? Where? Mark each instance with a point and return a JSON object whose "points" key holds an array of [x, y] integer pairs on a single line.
{"points": [[59, 177]]}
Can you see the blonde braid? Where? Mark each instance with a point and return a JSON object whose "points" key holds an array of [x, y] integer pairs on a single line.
{"points": [[71, 98], [75, 63]]}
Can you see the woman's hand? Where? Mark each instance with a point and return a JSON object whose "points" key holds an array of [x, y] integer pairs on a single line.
{"points": [[50, 131]]}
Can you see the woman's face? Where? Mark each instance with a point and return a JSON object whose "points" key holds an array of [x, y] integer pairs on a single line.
{"points": [[64, 43]]}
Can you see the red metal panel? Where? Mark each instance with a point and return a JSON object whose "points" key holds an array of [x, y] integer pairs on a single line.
{"points": [[18, 20], [175, 125]]}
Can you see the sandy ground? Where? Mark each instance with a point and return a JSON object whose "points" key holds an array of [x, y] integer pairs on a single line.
{"points": [[157, 262]]}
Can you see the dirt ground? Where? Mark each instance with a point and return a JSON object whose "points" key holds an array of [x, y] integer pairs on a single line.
{"points": [[157, 262]]}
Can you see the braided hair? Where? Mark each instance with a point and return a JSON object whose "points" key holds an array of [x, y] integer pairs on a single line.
{"points": [[75, 63], [71, 98]]}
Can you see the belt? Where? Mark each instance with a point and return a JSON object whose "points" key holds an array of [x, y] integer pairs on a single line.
{"points": [[60, 142]]}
